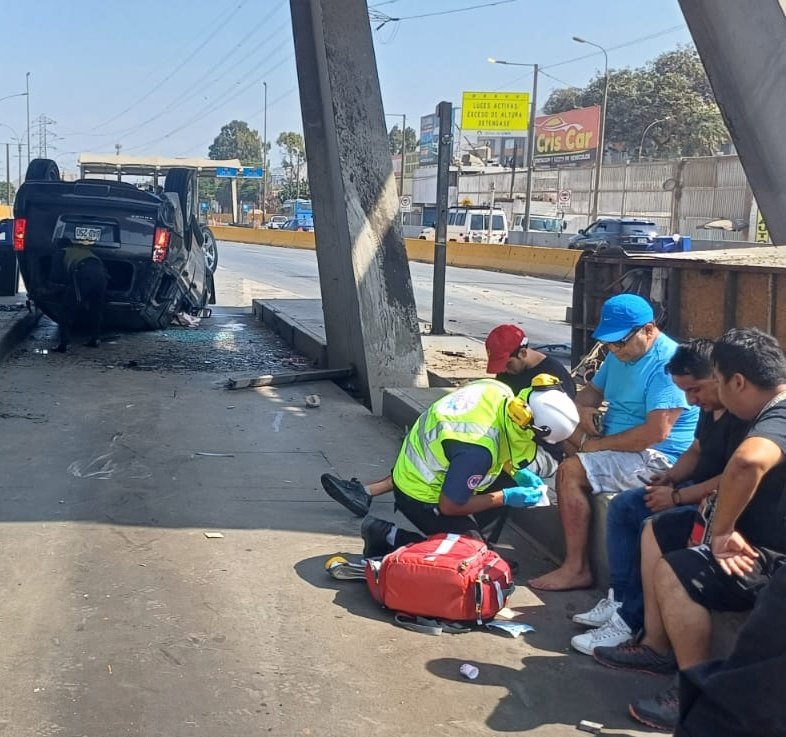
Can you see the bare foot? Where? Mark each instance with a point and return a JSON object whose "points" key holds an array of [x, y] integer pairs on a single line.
{"points": [[563, 579]]}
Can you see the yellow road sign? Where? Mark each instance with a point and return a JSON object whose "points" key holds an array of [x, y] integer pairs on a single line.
{"points": [[495, 113]]}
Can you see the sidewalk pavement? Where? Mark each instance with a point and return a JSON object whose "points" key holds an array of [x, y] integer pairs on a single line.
{"points": [[17, 321]]}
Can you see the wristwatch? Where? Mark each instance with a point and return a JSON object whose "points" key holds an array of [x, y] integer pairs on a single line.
{"points": [[676, 497]]}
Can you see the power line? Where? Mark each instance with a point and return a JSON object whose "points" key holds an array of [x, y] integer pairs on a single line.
{"points": [[210, 37], [633, 42], [383, 19]]}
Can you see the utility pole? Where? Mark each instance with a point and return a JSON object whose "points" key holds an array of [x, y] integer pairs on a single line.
{"points": [[445, 114], [19, 160], [27, 87], [513, 170], [531, 146], [8, 172], [403, 153], [264, 154]]}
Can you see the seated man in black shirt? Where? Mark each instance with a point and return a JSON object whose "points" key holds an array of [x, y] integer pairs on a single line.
{"points": [[747, 531], [515, 364]]}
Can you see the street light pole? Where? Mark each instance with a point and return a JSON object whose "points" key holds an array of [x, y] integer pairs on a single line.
{"points": [[602, 133], [647, 130], [27, 93], [264, 155], [530, 133], [403, 147]]}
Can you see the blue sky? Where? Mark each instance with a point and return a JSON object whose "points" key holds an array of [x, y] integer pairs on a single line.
{"points": [[161, 78]]}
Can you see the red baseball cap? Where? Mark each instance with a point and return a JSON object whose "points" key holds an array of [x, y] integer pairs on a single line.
{"points": [[500, 343]]}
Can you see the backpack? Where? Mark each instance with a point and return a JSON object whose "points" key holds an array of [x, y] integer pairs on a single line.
{"points": [[447, 577]]}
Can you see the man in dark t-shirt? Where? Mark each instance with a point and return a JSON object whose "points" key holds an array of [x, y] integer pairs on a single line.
{"points": [[747, 530], [516, 364]]}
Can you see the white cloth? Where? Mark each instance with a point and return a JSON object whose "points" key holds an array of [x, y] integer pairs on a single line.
{"points": [[616, 470]]}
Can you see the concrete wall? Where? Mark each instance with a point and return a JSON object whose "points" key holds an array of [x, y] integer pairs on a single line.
{"points": [[554, 263]]}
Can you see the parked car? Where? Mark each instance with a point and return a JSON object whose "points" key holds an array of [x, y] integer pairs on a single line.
{"points": [[150, 243], [471, 225], [299, 225], [628, 233], [540, 223], [276, 222]]}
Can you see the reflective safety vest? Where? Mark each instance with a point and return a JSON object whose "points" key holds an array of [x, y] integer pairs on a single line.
{"points": [[475, 414]]}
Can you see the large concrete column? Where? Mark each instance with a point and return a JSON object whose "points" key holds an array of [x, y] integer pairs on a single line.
{"points": [[742, 46], [367, 296]]}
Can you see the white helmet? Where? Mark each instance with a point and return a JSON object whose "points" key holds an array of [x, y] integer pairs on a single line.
{"points": [[554, 415]]}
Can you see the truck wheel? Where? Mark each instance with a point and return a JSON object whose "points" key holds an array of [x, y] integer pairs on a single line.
{"points": [[210, 249], [42, 170], [182, 182]]}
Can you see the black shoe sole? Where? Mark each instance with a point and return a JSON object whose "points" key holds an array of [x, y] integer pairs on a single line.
{"points": [[336, 493], [617, 666], [649, 722]]}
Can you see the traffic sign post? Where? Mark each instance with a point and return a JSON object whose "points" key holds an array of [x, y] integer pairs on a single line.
{"points": [[405, 203], [564, 197]]}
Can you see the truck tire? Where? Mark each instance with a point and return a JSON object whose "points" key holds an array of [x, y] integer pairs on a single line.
{"points": [[210, 249], [45, 170]]}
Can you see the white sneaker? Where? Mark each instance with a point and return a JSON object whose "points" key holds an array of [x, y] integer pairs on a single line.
{"points": [[611, 634], [600, 613]]}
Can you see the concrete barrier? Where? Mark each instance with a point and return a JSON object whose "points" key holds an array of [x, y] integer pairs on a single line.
{"points": [[554, 263]]}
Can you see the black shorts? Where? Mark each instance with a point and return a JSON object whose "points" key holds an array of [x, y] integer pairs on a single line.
{"points": [[698, 571]]}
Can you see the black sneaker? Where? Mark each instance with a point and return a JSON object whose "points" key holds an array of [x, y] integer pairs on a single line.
{"points": [[350, 494], [659, 712], [374, 532], [632, 655]]}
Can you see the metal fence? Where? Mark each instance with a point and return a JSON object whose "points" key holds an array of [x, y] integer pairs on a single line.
{"points": [[679, 196]]}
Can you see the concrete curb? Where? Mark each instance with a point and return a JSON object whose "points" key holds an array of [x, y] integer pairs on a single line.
{"points": [[17, 329]]}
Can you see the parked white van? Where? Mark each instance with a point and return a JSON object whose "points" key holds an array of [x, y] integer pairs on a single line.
{"points": [[542, 223], [471, 225]]}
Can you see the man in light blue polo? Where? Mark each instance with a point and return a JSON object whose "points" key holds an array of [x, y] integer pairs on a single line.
{"points": [[647, 426]]}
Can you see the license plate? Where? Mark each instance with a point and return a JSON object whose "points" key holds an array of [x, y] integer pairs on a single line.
{"points": [[91, 235]]}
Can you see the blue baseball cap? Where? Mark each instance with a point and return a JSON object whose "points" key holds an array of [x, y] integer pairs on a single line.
{"points": [[621, 314]]}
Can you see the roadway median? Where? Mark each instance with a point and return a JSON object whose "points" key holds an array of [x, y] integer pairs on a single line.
{"points": [[552, 263]]}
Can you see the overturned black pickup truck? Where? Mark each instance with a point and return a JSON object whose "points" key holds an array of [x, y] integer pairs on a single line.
{"points": [[152, 247]]}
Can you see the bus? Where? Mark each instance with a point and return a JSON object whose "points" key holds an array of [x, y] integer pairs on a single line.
{"points": [[299, 210]]}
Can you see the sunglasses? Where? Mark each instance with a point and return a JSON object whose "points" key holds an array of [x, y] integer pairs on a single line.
{"points": [[620, 344]]}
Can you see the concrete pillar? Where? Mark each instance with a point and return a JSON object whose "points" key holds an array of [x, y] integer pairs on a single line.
{"points": [[742, 45], [367, 297]]}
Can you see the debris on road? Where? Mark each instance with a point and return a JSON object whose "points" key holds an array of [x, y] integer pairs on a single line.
{"points": [[288, 377], [312, 401], [214, 535], [591, 727], [213, 455], [469, 671]]}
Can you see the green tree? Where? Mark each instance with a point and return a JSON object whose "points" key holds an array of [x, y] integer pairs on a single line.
{"points": [[672, 88], [291, 191], [237, 141], [293, 155], [394, 139], [7, 198]]}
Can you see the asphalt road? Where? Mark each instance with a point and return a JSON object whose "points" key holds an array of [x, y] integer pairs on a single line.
{"points": [[476, 300]]}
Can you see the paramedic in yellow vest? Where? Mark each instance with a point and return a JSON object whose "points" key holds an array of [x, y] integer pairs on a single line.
{"points": [[450, 471]]}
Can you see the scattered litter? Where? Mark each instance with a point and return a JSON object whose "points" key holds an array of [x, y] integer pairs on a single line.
{"points": [[591, 727], [507, 613], [469, 671], [41, 351], [231, 406], [214, 535], [312, 401], [185, 320], [109, 668], [128, 406], [213, 455], [514, 629]]}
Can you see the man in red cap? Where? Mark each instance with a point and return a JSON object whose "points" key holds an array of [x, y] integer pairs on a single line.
{"points": [[515, 364]]}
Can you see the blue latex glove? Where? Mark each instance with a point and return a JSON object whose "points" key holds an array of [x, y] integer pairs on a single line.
{"points": [[528, 479], [518, 496]]}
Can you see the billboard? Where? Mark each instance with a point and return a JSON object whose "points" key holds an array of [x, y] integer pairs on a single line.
{"points": [[567, 139], [495, 113], [429, 139]]}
